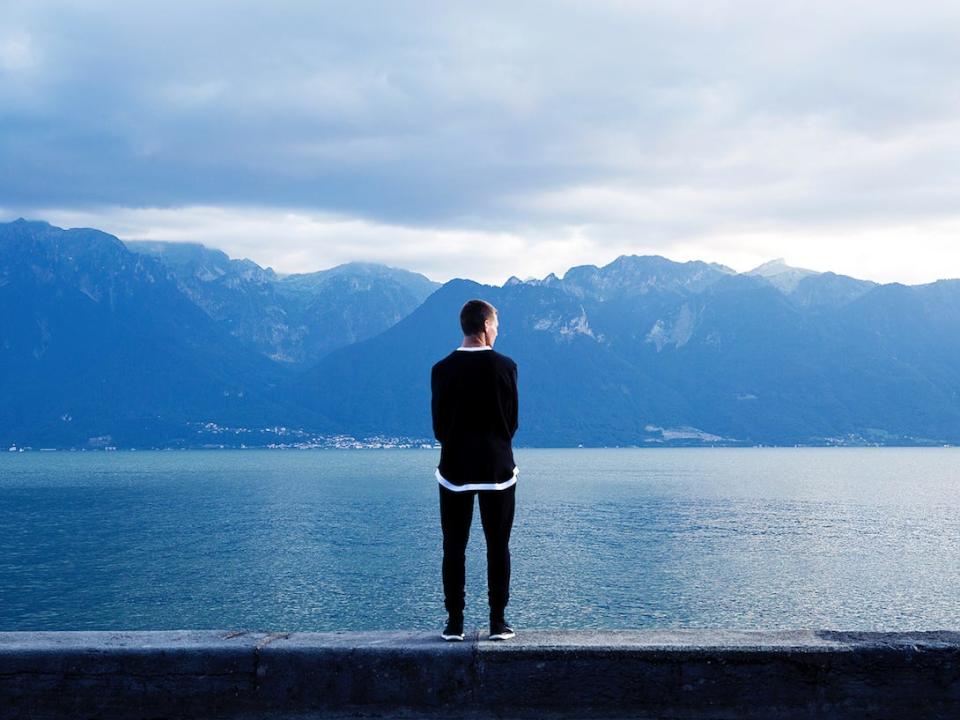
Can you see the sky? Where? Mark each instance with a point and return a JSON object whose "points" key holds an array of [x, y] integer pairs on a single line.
{"points": [[484, 140]]}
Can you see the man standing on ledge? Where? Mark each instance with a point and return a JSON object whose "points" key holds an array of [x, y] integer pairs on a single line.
{"points": [[474, 418]]}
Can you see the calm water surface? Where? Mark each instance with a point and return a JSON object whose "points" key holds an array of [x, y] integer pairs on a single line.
{"points": [[325, 540]]}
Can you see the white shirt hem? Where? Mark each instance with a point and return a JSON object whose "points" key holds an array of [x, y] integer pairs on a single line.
{"points": [[476, 486]]}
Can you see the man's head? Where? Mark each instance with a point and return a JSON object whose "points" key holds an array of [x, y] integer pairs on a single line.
{"points": [[478, 320]]}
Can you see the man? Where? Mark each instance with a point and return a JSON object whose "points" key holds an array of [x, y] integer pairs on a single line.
{"points": [[474, 418]]}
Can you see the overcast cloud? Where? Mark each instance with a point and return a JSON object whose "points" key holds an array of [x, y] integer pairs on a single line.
{"points": [[491, 139]]}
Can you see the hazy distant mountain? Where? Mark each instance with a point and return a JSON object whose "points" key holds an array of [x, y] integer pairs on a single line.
{"points": [[808, 287], [295, 318], [780, 275], [350, 302], [99, 346], [630, 276], [102, 345]]}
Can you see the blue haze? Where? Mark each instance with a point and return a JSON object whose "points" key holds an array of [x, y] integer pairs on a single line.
{"points": [[328, 540]]}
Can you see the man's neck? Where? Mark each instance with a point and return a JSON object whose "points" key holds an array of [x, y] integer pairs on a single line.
{"points": [[474, 344]]}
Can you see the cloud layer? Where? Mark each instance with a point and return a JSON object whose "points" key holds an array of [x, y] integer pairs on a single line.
{"points": [[544, 133]]}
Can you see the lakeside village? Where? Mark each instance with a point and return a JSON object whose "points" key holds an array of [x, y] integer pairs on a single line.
{"points": [[211, 436], [297, 439]]}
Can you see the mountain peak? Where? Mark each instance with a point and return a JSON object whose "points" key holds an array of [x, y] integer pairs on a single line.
{"points": [[638, 274], [782, 276], [771, 267], [362, 272], [24, 225]]}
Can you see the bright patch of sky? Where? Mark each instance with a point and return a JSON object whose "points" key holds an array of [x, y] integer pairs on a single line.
{"points": [[492, 139]]}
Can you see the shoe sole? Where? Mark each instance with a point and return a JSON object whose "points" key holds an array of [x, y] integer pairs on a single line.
{"points": [[503, 636], [452, 638]]}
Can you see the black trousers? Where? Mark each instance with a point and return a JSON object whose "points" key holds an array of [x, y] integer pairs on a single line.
{"points": [[496, 516]]}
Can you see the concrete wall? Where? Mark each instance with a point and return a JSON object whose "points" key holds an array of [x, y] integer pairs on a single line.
{"points": [[650, 674]]}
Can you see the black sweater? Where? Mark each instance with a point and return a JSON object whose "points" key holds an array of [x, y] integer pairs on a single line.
{"points": [[475, 416]]}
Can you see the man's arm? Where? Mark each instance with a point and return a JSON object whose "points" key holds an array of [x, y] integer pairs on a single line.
{"points": [[439, 421], [515, 401]]}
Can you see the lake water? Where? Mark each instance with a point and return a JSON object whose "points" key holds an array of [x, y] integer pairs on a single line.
{"points": [[332, 540]]}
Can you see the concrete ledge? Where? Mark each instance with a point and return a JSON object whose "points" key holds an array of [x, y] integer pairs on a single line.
{"points": [[675, 674]]}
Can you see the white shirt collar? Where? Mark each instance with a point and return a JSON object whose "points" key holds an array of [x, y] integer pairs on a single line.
{"points": [[472, 349]]}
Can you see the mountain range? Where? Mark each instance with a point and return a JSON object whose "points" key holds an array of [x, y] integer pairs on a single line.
{"points": [[147, 344], [295, 319]]}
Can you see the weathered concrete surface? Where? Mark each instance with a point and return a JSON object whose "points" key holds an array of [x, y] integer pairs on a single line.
{"points": [[125, 674], [670, 674], [715, 674], [388, 669]]}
